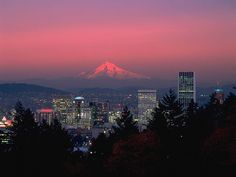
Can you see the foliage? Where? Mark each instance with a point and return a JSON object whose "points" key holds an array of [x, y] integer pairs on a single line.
{"points": [[38, 146], [126, 125]]}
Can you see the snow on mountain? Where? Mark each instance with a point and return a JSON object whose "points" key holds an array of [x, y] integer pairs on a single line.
{"points": [[111, 70]]}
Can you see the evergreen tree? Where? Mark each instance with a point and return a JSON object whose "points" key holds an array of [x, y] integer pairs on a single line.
{"points": [[168, 122], [25, 139], [126, 125], [192, 114], [25, 129], [54, 139], [214, 113], [192, 109], [42, 148], [168, 114], [55, 145]]}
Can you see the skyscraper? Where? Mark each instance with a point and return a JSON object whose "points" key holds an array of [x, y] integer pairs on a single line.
{"points": [[147, 100], [186, 88], [64, 109], [100, 112]]}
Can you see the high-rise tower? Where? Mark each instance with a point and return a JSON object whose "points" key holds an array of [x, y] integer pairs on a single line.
{"points": [[186, 88], [147, 100]]}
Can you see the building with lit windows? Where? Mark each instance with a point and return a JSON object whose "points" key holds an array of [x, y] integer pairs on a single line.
{"points": [[186, 88], [147, 101], [78, 105], [85, 119], [5, 132], [45, 115], [113, 116], [64, 110], [100, 113]]}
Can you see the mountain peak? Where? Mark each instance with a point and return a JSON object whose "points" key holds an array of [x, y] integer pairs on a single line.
{"points": [[108, 66], [108, 69], [108, 63]]}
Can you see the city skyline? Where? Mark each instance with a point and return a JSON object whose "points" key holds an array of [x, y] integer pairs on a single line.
{"points": [[155, 38]]}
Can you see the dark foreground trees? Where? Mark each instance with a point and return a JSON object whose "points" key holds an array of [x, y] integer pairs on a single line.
{"points": [[198, 141], [36, 150]]}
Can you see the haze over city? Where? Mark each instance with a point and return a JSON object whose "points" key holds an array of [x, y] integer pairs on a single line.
{"points": [[156, 38]]}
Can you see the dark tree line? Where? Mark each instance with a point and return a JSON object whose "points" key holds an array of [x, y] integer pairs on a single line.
{"points": [[36, 149], [197, 141]]}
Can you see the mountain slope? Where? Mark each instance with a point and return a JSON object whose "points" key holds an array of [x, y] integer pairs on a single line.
{"points": [[113, 71], [32, 96], [17, 88]]}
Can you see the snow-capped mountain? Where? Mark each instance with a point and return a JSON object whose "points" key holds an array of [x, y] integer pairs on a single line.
{"points": [[113, 71]]}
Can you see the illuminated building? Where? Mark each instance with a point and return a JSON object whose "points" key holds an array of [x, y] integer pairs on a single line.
{"points": [[5, 136], [65, 110], [113, 116], [99, 112], [73, 112], [85, 121], [5, 133], [83, 113], [147, 100], [45, 114], [219, 95], [78, 104], [5, 123], [186, 88]]}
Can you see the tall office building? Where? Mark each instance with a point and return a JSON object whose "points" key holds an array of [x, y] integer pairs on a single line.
{"points": [[82, 113], [85, 120], [65, 110], [147, 100], [186, 88], [100, 112], [78, 104]]}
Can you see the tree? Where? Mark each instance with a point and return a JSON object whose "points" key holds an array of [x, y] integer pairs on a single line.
{"points": [[219, 147], [169, 114], [138, 156], [38, 146], [126, 125], [25, 139], [192, 110], [25, 129], [55, 145], [169, 122]]}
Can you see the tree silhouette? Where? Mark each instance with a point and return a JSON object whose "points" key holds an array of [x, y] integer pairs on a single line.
{"points": [[126, 125], [192, 110], [25, 138], [38, 146], [169, 122], [219, 147], [25, 129], [169, 114], [55, 145]]}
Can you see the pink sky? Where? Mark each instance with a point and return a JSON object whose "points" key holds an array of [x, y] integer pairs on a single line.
{"points": [[154, 38]]}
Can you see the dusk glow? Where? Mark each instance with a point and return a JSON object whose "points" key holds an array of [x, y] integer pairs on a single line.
{"points": [[157, 38]]}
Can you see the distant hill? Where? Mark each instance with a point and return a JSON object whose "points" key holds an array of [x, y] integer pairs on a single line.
{"points": [[15, 88], [32, 96]]}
